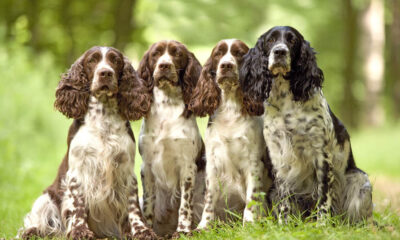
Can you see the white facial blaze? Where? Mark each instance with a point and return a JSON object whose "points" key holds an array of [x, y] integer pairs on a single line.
{"points": [[102, 65], [165, 58], [272, 60], [228, 58]]}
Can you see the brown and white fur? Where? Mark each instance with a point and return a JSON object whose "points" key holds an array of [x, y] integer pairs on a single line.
{"points": [[235, 146], [170, 142], [310, 148], [95, 193]]}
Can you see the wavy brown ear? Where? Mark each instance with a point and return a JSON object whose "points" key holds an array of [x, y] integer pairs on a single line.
{"points": [[134, 98], [190, 78], [72, 93], [145, 72], [206, 96]]}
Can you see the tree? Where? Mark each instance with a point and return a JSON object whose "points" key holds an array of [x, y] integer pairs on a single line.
{"points": [[349, 104], [373, 43], [394, 58]]}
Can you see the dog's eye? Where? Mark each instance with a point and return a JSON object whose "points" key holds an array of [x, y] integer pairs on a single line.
{"points": [[271, 40], [155, 53], [92, 60], [178, 54]]}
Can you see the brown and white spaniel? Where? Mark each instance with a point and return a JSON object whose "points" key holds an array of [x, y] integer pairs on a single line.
{"points": [[95, 193], [170, 141], [235, 147]]}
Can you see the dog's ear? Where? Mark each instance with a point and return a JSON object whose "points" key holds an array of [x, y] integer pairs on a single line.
{"points": [[206, 96], [305, 74], [144, 71], [73, 91], [255, 79], [134, 97], [189, 80]]}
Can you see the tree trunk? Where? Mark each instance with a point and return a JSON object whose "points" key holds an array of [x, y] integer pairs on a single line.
{"points": [[33, 11], [394, 57], [373, 43], [67, 24], [350, 108], [123, 22]]}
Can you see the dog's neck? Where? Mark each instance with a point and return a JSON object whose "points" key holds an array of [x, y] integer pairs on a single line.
{"points": [[103, 110]]}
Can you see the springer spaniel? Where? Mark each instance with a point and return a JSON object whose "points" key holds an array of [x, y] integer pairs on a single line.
{"points": [[309, 147], [95, 193], [170, 141], [235, 146]]}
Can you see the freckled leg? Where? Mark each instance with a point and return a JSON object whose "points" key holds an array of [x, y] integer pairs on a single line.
{"points": [[210, 200], [186, 205], [139, 230], [75, 216], [325, 180], [252, 189], [148, 194], [284, 207]]}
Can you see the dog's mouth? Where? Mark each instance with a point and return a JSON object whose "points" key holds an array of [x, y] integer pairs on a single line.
{"points": [[166, 81], [105, 90], [279, 67], [228, 82]]}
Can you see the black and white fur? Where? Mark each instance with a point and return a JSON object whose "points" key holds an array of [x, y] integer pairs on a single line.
{"points": [[310, 149]]}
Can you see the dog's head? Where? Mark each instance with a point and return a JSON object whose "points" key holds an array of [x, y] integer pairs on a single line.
{"points": [[280, 51], [169, 65], [104, 73]]}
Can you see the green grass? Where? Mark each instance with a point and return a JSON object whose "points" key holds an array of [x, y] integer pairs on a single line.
{"points": [[33, 142]]}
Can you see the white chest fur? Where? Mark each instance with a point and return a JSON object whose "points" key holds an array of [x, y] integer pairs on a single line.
{"points": [[101, 159], [168, 141], [233, 141]]}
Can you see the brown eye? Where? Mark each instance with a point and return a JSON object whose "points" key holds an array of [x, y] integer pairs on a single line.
{"points": [[178, 54], [92, 60], [271, 40], [155, 53]]}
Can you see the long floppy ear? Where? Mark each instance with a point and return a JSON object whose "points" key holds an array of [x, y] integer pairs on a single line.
{"points": [[189, 81], [145, 72], [206, 96], [305, 74], [255, 79], [134, 98], [73, 91]]}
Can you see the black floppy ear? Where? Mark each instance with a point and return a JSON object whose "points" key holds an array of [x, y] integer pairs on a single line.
{"points": [[255, 79], [305, 74]]}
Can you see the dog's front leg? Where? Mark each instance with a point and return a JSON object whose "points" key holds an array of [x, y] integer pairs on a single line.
{"points": [[148, 182], [253, 188], [74, 210], [139, 230], [187, 179], [325, 178]]}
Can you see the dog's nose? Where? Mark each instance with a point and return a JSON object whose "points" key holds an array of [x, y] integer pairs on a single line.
{"points": [[164, 66], [105, 73], [280, 52], [226, 65]]}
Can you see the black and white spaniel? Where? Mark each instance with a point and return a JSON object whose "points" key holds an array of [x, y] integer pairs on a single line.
{"points": [[170, 141], [310, 149], [95, 193], [235, 146]]}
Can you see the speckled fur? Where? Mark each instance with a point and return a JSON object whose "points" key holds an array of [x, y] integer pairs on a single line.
{"points": [[170, 144]]}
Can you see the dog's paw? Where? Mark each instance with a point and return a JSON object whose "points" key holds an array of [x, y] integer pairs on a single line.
{"points": [[80, 233], [177, 235], [146, 234], [30, 233]]}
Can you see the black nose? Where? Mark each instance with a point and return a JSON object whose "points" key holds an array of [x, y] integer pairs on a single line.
{"points": [[226, 65], [280, 52], [164, 66], [105, 73]]}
